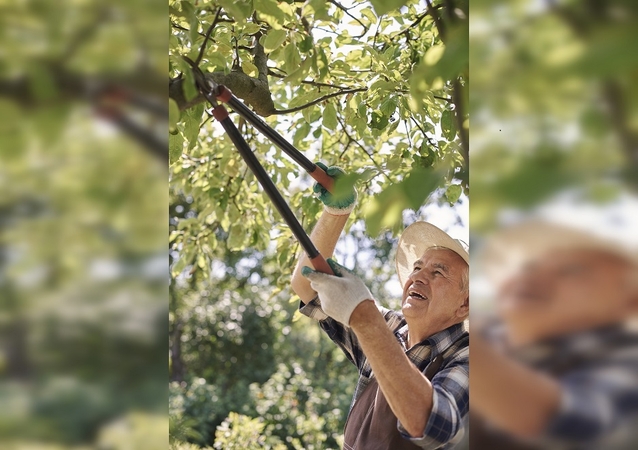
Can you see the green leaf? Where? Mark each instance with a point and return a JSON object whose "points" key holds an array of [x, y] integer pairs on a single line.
{"points": [[388, 106], [251, 28], [330, 117], [236, 236], [378, 121], [291, 58], [345, 183], [238, 9], [192, 119], [301, 133], [322, 63], [306, 44], [273, 40], [384, 211], [385, 6], [447, 124], [367, 12], [307, 113], [175, 147], [453, 193], [300, 73], [173, 114], [270, 8], [249, 68], [190, 90]]}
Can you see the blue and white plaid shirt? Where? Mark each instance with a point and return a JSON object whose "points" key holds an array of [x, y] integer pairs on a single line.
{"points": [[598, 374], [450, 384]]}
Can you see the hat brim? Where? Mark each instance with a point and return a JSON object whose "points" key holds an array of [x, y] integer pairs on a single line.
{"points": [[507, 250], [416, 239]]}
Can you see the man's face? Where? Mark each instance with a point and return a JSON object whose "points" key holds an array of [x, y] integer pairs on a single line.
{"points": [[566, 291], [434, 293]]}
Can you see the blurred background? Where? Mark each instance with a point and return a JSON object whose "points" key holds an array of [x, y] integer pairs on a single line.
{"points": [[554, 136], [83, 169]]}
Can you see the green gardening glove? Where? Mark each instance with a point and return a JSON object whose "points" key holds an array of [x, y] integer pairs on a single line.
{"points": [[339, 207]]}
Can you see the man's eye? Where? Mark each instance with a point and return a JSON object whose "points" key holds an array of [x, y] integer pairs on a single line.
{"points": [[416, 268], [437, 272]]}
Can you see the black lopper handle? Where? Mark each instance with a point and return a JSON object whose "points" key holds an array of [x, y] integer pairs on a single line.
{"points": [[317, 260], [224, 94]]}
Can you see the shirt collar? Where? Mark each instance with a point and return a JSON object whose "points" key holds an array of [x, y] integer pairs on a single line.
{"points": [[439, 341]]}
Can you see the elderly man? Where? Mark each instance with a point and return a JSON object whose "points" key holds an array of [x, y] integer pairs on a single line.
{"points": [[561, 368], [413, 386]]}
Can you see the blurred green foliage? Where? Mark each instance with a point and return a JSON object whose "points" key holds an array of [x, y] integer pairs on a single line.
{"points": [[83, 314], [554, 103]]}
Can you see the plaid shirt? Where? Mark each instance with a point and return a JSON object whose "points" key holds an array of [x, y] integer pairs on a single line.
{"points": [[598, 373], [450, 384]]}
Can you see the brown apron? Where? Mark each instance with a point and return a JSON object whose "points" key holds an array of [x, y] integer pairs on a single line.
{"points": [[378, 424]]}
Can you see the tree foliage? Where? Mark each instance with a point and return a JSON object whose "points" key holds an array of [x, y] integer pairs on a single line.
{"points": [[381, 95]]}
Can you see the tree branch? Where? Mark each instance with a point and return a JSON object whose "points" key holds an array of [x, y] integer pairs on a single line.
{"points": [[353, 140], [310, 82], [207, 37], [346, 10], [319, 100], [412, 25], [437, 20], [459, 115], [616, 103]]}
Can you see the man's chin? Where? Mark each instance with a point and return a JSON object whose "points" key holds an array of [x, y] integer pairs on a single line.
{"points": [[410, 305]]}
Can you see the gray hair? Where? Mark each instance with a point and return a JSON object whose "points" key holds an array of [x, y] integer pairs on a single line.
{"points": [[465, 274]]}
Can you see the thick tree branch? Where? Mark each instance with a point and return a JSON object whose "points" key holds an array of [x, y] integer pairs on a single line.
{"points": [[437, 20], [260, 59], [253, 91], [616, 103]]}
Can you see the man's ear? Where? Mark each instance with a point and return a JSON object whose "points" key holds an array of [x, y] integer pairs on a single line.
{"points": [[464, 310]]}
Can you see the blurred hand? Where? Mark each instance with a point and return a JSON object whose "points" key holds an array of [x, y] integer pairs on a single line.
{"points": [[339, 294], [336, 207]]}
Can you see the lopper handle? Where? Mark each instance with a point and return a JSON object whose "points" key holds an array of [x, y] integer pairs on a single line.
{"points": [[323, 178], [224, 95], [321, 265]]}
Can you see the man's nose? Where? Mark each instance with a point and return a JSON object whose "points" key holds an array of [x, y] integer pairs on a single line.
{"points": [[419, 275]]}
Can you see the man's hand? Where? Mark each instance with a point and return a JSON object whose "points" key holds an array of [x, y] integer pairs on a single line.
{"points": [[335, 207], [340, 294]]}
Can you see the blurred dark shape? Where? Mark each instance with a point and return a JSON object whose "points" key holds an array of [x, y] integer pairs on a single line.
{"points": [[82, 224]]}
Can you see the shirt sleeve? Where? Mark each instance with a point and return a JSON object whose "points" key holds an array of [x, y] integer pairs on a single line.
{"points": [[450, 405], [341, 335], [593, 403]]}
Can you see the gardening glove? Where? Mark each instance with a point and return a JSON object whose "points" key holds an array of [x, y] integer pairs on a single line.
{"points": [[339, 294], [339, 207]]}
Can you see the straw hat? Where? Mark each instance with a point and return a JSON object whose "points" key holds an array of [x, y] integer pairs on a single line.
{"points": [[510, 248], [416, 239]]}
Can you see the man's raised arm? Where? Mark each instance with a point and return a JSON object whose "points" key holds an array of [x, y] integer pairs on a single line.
{"points": [[325, 234]]}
